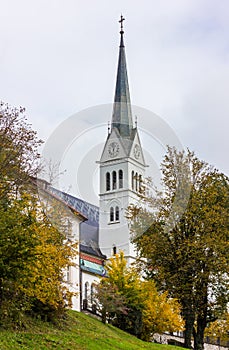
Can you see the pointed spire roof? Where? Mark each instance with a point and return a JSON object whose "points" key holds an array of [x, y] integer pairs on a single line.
{"points": [[122, 115]]}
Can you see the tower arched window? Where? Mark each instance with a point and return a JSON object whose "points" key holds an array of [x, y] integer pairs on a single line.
{"points": [[136, 181], [111, 214], [120, 178], [132, 180], [108, 181], [116, 213], [140, 183], [114, 180]]}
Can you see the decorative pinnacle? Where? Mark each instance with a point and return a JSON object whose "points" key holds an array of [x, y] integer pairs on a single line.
{"points": [[122, 19], [136, 121]]}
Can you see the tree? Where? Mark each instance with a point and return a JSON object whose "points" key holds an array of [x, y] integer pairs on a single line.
{"points": [[18, 161], [184, 239], [135, 305], [219, 329], [54, 251], [33, 256], [160, 313], [19, 150], [109, 301], [126, 282], [33, 252]]}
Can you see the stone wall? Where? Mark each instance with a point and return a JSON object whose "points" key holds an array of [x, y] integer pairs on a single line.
{"points": [[167, 338]]}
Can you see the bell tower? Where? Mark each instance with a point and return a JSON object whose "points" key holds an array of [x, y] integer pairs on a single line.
{"points": [[122, 168]]}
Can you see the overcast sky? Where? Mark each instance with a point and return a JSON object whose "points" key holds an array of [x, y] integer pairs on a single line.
{"points": [[60, 57]]}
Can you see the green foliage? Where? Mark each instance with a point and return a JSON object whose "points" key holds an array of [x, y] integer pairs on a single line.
{"points": [[33, 253], [185, 239], [109, 301], [16, 251], [135, 305], [19, 156], [129, 286]]}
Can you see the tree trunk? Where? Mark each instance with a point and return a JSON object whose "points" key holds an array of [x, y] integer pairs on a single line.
{"points": [[104, 316], [1, 295], [199, 333], [189, 318]]}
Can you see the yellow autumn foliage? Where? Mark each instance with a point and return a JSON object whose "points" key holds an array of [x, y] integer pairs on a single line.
{"points": [[43, 279], [219, 328], [160, 313], [156, 312]]}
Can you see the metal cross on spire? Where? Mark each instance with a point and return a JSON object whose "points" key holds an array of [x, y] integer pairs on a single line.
{"points": [[122, 19]]}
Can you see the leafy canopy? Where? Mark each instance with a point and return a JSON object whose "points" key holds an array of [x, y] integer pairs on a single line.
{"points": [[33, 253], [184, 239], [135, 305]]}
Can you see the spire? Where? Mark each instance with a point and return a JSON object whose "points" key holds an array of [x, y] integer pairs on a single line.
{"points": [[122, 116]]}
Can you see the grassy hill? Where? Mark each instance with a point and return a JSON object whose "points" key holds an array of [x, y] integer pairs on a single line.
{"points": [[79, 332]]}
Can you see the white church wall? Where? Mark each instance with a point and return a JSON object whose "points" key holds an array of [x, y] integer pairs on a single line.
{"points": [[70, 220], [72, 273]]}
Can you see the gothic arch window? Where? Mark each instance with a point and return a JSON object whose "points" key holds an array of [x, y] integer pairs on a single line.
{"points": [[92, 292], [114, 180], [120, 178], [86, 290], [68, 274], [116, 213], [69, 229], [111, 214], [85, 300], [140, 183], [136, 181], [114, 250], [108, 181], [132, 180]]}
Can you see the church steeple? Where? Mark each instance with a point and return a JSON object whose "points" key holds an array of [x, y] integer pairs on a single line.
{"points": [[122, 168], [122, 115]]}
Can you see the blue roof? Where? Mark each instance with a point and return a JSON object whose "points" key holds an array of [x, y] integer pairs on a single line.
{"points": [[86, 209], [89, 229]]}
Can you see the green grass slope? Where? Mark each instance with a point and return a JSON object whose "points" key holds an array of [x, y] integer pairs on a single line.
{"points": [[79, 332]]}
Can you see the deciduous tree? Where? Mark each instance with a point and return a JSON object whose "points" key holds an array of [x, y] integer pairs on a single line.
{"points": [[160, 313], [33, 252], [219, 329], [33, 256], [134, 304], [19, 150], [184, 238]]}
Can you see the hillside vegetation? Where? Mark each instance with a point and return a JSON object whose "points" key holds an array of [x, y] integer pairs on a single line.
{"points": [[78, 332]]}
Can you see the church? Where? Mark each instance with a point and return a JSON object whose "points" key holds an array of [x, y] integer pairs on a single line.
{"points": [[103, 231]]}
